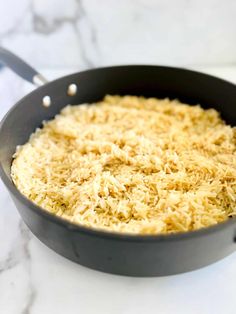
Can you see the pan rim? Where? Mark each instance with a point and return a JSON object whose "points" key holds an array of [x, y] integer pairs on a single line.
{"points": [[96, 231]]}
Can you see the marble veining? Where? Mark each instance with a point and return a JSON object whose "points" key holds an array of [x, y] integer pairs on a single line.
{"points": [[43, 25], [77, 16], [26, 236], [85, 33], [19, 254]]}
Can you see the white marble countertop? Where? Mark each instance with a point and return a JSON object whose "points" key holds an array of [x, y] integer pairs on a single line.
{"points": [[35, 280]]}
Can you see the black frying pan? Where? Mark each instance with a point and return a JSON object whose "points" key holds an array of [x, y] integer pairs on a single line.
{"points": [[133, 255]]}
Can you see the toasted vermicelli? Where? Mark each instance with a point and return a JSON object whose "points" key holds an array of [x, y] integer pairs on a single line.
{"points": [[132, 164]]}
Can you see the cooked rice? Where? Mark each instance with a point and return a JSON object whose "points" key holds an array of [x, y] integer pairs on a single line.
{"points": [[132, 164]]}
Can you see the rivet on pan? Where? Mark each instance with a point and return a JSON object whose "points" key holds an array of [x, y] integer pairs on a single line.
{"points": [[72, 89], [46, 101]]}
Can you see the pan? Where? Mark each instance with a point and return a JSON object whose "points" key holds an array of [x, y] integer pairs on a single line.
{"points": [[117, 253]]}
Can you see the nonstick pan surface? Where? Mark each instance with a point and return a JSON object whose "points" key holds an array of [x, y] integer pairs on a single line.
{"points": [[117, 253]]}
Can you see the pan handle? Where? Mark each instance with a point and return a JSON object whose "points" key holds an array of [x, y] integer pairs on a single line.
{"points": [[21, 68]]}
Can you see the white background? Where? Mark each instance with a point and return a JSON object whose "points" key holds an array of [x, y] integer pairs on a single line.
{"points": [[59, 37], [85, 33]]}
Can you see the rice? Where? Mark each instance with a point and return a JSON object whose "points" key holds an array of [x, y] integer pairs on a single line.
{"points": [[132, 164]]}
